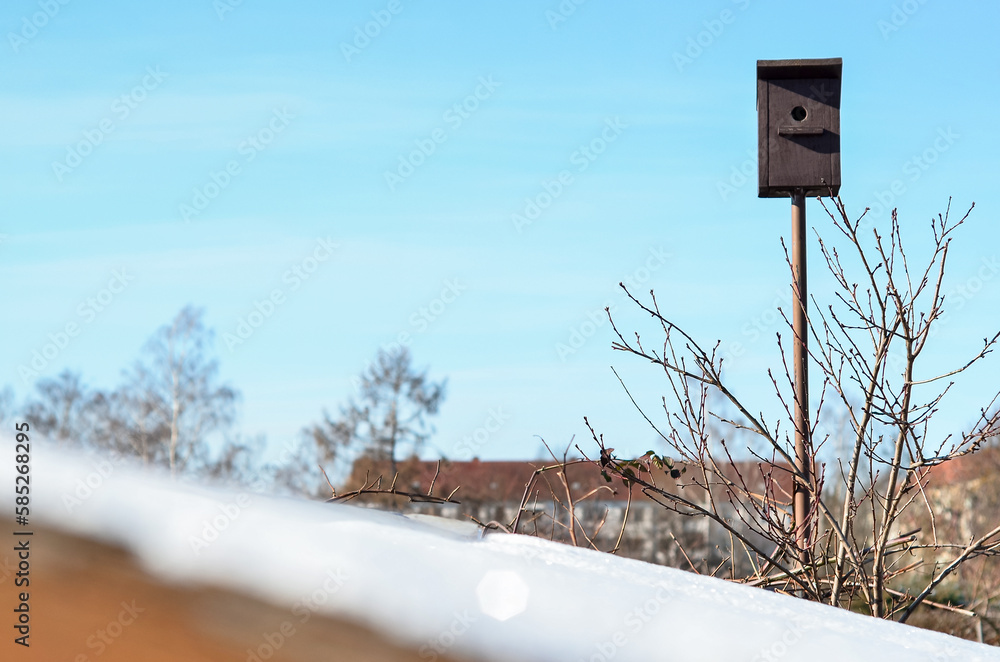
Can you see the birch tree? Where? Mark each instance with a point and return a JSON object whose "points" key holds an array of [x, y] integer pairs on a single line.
{"points": [[171, 401]]}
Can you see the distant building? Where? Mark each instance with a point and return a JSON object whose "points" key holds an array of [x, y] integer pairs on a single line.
{"points": [[965, 495], [493, 491]]}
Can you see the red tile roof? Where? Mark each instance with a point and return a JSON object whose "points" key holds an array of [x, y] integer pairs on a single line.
{"points": [[504, 481], [966, 468]]}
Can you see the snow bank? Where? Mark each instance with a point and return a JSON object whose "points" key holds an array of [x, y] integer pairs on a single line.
{"points": [[499, 597]]}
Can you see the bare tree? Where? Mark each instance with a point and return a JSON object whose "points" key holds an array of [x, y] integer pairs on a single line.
{"points": [[6, 404], [388, 417], [60, 408], [322, 444], [867, 346], [164, 413], [171, 402], [236, 463], [297, 474]]}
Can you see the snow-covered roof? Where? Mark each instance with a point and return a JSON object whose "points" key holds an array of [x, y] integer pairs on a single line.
{"points": [[498, 597]]}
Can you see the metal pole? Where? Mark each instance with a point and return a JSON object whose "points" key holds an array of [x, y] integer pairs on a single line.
{"points": [[801, 358]]}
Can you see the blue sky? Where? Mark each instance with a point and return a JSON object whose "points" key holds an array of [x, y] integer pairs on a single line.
{"points": [[200, 152]]}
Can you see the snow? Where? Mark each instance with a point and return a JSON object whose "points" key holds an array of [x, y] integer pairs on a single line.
{"points": [[436, 586]]}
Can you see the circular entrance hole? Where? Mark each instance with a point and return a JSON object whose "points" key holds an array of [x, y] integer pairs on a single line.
{"points": [[798, 113]]}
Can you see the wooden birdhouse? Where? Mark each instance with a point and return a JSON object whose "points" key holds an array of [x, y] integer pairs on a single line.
{"points": [[798, 119]]}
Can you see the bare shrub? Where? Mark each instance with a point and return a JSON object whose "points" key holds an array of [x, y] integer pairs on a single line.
{"points": [[868, 346]]}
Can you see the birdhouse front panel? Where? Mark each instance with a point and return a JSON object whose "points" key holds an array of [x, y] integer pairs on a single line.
{"points": [[799, 126]]}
